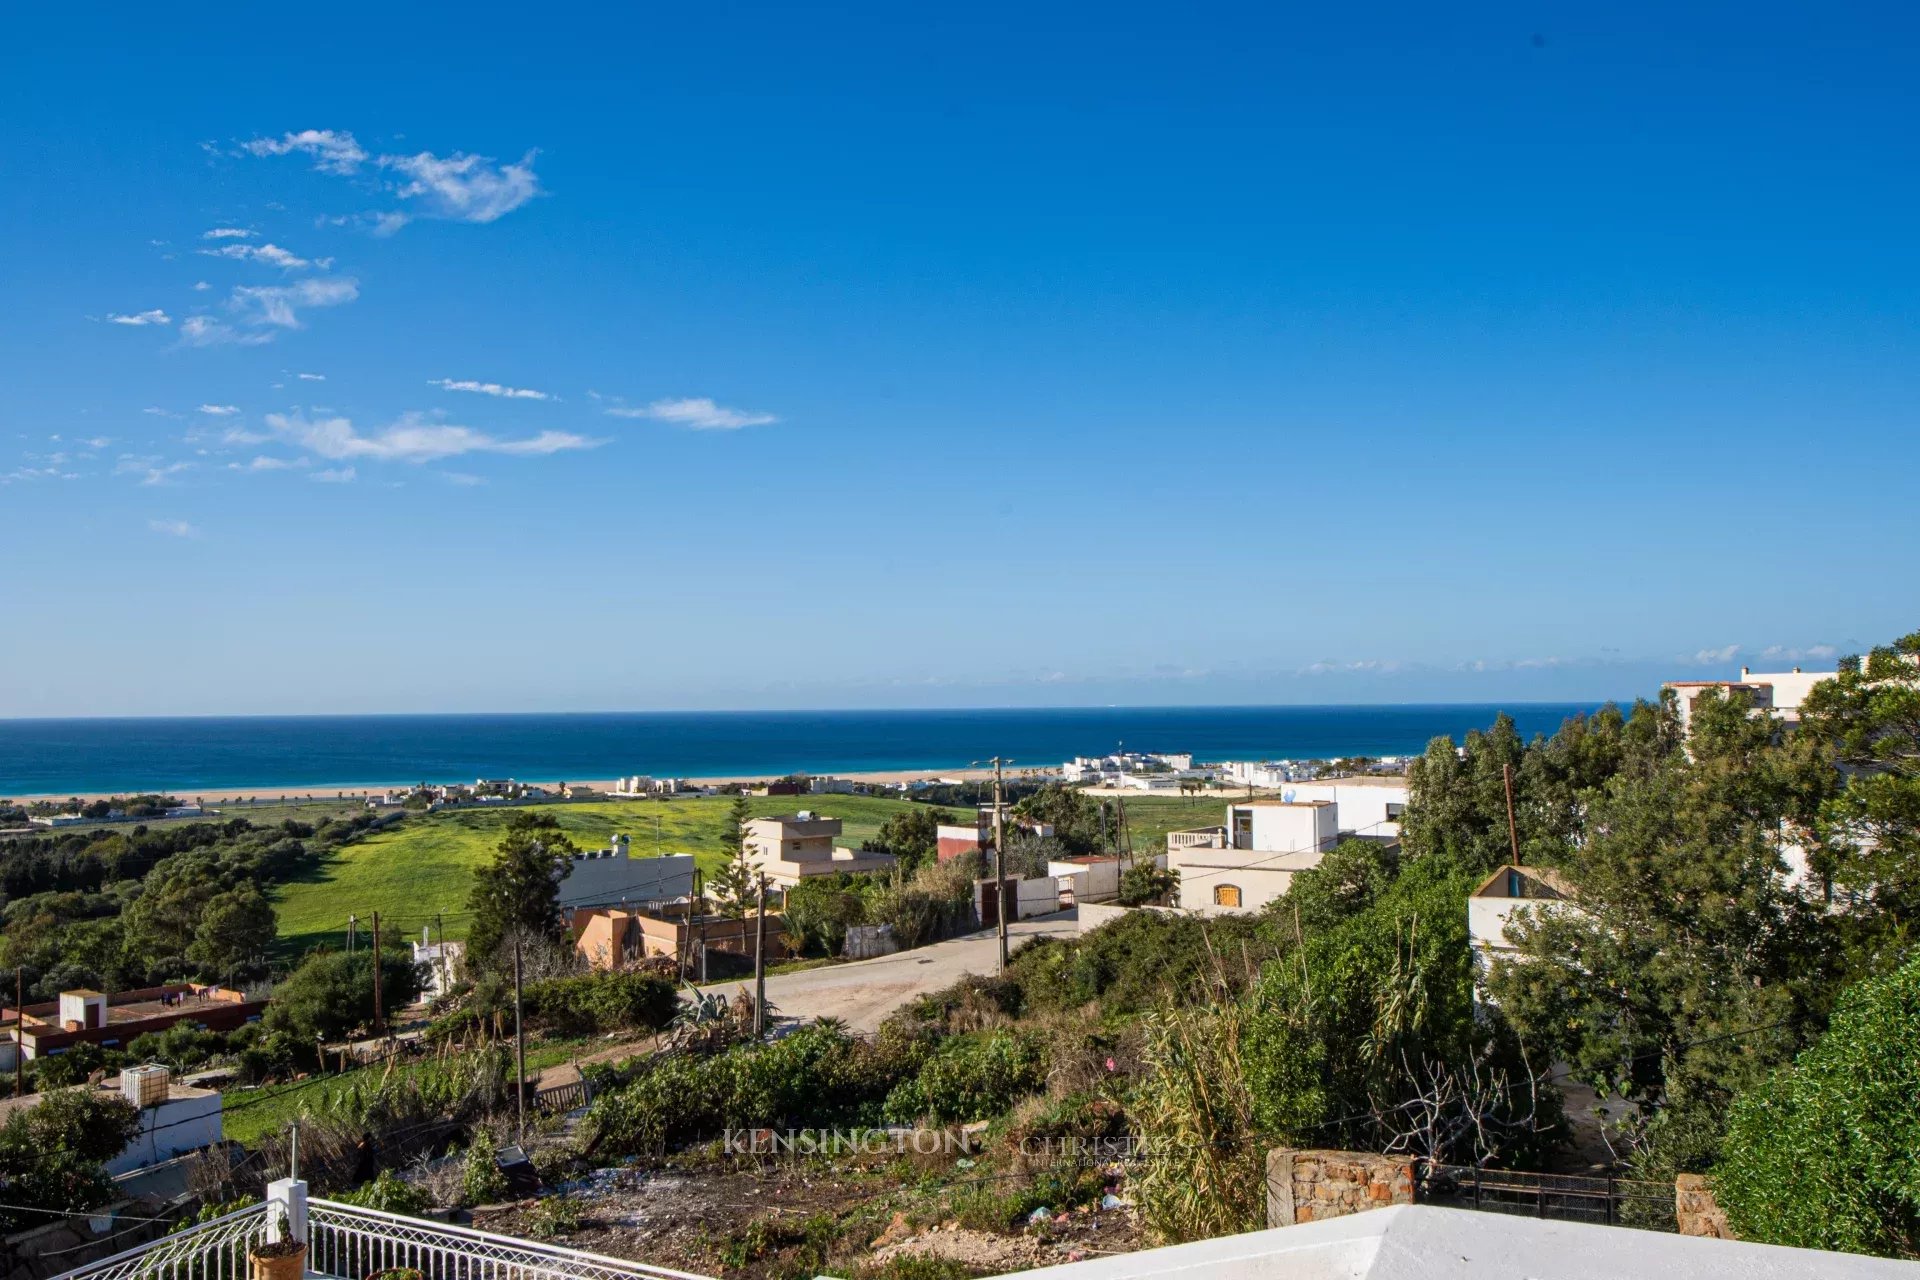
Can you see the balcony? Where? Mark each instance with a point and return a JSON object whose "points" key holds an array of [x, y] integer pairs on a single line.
{"points": [[346, 1242], [1198, 838]]}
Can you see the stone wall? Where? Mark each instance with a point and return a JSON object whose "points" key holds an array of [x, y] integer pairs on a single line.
{"points": [[1307, 1186], [1695, 1209]]}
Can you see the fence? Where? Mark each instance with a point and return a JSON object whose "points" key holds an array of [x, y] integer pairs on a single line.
{"points": [[1568, 1197], [563, 1097]]}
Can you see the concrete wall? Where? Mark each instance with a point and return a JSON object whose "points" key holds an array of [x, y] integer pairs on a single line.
{"points": [[1092, 915], [1036, 897], [1362, 803], [1260, 877], [1293, 828], [176, 1126], [1310, 1186]]}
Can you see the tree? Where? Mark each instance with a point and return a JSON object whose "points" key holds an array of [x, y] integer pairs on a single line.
{"points": [[733, 833], [1864, 725], [1826, 1153], [52, 1153], [1147, 882], [732, 886], [235, 930], [1075, 819], [1690, 966], [518, 893], [912, 836], [331, 994]]}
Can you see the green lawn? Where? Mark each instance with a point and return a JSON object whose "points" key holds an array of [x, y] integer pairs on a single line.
{"points": [[425, 865]]}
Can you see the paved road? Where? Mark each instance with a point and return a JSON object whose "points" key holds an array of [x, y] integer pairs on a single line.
{"points": [[863, 992]]}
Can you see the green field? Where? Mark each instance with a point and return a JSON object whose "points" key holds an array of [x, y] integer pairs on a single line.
{"points": [[424, 866]]}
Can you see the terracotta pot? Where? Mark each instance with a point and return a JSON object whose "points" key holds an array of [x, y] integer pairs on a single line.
{"points": [[289, 1266]]}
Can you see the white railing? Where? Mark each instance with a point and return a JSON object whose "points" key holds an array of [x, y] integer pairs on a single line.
{"points": [[214, 1250], [351, 1243], [1203, 838]]}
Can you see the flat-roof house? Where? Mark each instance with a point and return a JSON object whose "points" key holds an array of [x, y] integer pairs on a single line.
{"points": [[1777, 694], [1252, 859], [83, 1016], [791, 847]]}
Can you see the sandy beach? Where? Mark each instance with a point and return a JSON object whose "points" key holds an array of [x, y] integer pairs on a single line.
{"points": [[325, 790]]}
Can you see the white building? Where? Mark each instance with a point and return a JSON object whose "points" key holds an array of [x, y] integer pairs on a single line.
{"points": [[439, 961], [1778, 694], [1370, 806], [830, 786], [1509, 894], [1252, 859], [174, 1118]]}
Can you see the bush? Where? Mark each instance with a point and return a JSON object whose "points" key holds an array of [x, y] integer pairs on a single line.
{"points": [[1826, 1154], [632, 1000], [1132, 964], [481, 1181], [389, 1194], [555, 1216], [970, 1077], [1146, 882], [819, 910]]}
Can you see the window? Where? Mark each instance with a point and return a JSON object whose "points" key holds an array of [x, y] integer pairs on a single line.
{"points": [[1226, 895], [1516, 885], [1394, 811]]}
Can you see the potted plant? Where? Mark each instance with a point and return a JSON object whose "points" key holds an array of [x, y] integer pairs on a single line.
{"points": [[399, 1273], [282, 1259]]}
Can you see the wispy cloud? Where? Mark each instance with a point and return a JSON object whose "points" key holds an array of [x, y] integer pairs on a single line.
{"points": [[332, 152], [270, 254], [220, 410], [265, 463], [696, 412], [1789, 653], [174, 528], [334, 475], [158, 412], [140, 319], [262, 310], [151, 470], [412, 438], [461, 187], [311, 377], [227, 233], [489, 389], [1714, 657]]}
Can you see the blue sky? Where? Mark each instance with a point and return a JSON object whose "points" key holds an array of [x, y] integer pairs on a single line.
{"points": [[889, 356]]}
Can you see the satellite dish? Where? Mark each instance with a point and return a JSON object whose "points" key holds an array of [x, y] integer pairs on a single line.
{"points": [[1288, 796]]}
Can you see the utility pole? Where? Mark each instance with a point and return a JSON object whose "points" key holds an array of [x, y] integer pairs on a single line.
{"points": [[376, 974], [353, 926], [519, 1046], [1000, 860], [440, 954], [760, 964], [19, 1029], [1513, 828]]}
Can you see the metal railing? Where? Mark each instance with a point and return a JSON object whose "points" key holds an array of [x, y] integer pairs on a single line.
{"points": [[213, 1250], [350, 1243], [1569, 1197]]}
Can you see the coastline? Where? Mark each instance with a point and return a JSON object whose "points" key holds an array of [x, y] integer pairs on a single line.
{"points": [[328, 790]]}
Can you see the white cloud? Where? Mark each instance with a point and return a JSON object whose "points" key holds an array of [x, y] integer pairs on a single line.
{"points": [[264, 463], [334, 475], [278, 305], [205, 331], [311, 377], [413, 438], [466, 479], [489, 389], [158, 412], [698, 412], [463, 187], [1787, 653], [140, 319], [460, 187], [220, 410], [271, 254], [201, 286], [332, 152], [1715, 657], [227, 233], [1375, 666], [151, 470], [174, 528]]}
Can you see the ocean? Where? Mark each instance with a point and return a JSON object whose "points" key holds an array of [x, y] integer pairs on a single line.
{"points": [[198, 755]]}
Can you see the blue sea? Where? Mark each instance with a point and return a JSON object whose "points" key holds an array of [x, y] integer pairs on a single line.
{"points": [[316, 753]]}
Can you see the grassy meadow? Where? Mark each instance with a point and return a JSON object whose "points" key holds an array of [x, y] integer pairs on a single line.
{"points": [[425, 865]]}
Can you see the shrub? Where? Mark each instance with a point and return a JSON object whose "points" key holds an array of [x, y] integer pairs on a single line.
{"points": [[819, 910], [481, 1181], [625, 1001], [389, 1194], [1146, 882], [555, 1216], [970, 1077], [1826, 1154]]}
